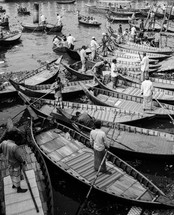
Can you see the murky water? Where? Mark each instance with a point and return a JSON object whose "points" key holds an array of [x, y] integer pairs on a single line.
{"points": [[36, 48]]}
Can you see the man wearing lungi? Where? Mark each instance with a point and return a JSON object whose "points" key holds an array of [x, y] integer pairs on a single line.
{"points": [[99, 143], [13, 154], [144, 66], [147, 92]]}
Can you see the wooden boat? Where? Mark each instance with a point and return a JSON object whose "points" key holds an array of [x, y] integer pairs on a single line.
{"points": [[135, 146], [50, 28], [126, 102], [157, 82], [163, 96], [75, 68], [143, 48], [43, 75], [113, 18], [11, 39], [63, 148], [70, 90], [88, 22], [65, 1], [121, 12], [39, 179]]}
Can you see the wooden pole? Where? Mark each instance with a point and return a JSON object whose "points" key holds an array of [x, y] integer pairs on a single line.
{"points": [[36, 13], [31, 192]]}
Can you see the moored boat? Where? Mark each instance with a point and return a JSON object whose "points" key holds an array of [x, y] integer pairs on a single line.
{"points": [[70, 89], [49, 28], [126, 102], [43, 75], [10, 39], [88, 20], [65, 1], [163, 96], [63, 148]]}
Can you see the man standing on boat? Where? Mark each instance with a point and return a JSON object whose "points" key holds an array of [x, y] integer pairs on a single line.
{"points": [[147, 92], [59, 20], [144, 66], [99, 143], [114, 73], [94, 46], [14, 155], [58, 87], [71, 40], [83, 58]]}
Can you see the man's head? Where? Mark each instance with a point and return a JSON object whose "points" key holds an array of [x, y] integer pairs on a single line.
{"points": [[84, 47], [105, 61], [93, 38], [114, 60], [103, 34], [77, 113], [144, 54], [97, 124]]}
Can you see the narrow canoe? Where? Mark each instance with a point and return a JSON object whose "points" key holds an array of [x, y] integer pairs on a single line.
{"points": [[36, 27], [36, 168], [10, 39], [70, 90], [165, 84], [43, 75], [113, 18], [87, 23], [143, 48], [65, 1], [163, 96], [63, 148], [126, 102]]}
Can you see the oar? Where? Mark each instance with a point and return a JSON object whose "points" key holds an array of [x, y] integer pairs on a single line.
{"points": [[92, 185], [31, 192], [164, 109]]}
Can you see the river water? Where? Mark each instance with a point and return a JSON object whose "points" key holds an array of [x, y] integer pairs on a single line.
{"points": [[34, 50]]}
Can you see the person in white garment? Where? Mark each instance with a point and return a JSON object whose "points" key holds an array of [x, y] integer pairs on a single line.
{"points": [[59, 19], [83, 58], [147, 92], [114, 73], [71, 40], [144, 66], [94, 46], [42, 20]]}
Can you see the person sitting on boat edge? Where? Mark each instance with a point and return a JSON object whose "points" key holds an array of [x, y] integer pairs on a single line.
{"points": [[147, 92], [14, 155], [58, 87], [98, 68], [94, 47], [84, 119], [83, 58], [99, 142]]}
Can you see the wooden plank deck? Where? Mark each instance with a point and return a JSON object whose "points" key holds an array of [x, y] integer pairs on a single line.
{"points": [[135, 211], [22, 203]]}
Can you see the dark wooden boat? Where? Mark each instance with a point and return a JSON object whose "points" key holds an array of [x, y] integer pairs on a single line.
{"points": [[88, 22], [65, 1], [163, 96], [143, 48], [65, 148], [61, 49], [70, 90], [157, 82], [11, 39], [43, 75], [126, 102], [74, 69], [39, 179], [124, 139], [50, 28]]}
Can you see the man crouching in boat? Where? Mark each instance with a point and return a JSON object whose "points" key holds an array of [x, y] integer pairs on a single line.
{"points": [[147, 92], [99, 143], [10, 149], [84, 119]]}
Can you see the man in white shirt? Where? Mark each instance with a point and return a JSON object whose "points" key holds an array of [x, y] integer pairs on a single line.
{"points": [[42, 19], [83, 58], [71, 40], [144, 66], [59, 19], [99, 143], [114, 73], [133, 33], [147, 92], [94, 46]]}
